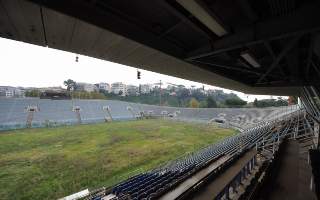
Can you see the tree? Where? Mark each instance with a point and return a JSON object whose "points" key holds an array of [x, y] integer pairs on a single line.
{"points": [[70, 84], [32, 93], [255, 102], [235, 102], [211, 103], [292, 100], [194, 103], [198, 94], [88, 95], [270, 103], [183, 93], [203, 104], [281, 102], [183, 96]]}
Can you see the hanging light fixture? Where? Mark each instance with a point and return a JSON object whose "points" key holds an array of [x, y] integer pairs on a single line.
{"points": [[250, 59], [204, 16]]}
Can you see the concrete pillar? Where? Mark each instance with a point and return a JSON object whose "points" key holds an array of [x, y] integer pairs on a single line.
{"points": [[237, 180], [316, 134], [227, 191], [242, 175], [245, 171]]}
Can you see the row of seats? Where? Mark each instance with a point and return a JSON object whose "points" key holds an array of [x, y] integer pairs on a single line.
{"points": [[60, 112], [148, 185], [152, 184]]}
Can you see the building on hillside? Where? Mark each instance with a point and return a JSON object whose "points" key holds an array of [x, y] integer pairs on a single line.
{"points": [[87, 87], [174, 87], [119, 88], [132, 90], [8, 91], [104, 86], [210, 92], [200, 90], [19, 92], [145, 88]]}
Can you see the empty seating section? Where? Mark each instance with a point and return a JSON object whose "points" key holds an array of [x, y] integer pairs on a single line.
{"points": [[54, 110], [154, 183], [257, 124], [147, 185], [13, 112]]}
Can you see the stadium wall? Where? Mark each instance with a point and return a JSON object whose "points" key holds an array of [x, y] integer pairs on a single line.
{"points": [[50, 113]]}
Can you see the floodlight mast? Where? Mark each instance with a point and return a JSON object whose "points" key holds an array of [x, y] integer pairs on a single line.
{"points": [[160, 91]]}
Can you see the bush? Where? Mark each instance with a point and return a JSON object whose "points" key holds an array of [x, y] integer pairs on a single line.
{"points": [[211, 103], [235, 102], [194, 103]]}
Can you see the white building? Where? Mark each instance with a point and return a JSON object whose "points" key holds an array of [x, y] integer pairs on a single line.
{"points": [[88, 87], [104, 86], [8, 91], [119, 88], [19, 92], [132, 90], [145, 88], [172, 88]]}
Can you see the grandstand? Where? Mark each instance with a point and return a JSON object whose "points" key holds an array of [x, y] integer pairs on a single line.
{"points": [[269, 47], [51, 113], [236, 156]]}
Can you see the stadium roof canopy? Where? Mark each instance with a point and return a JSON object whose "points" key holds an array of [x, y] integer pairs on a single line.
{"points": [[261, 47]]}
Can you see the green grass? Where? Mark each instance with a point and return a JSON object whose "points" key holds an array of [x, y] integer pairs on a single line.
{"points": [[49, 163]]}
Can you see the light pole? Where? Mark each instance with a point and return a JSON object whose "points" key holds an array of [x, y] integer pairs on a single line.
{"points": [[160, 92]]}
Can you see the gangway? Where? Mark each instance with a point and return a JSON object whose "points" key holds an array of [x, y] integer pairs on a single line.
{"points": [[107, 109], [77, 110], [31, 110]]}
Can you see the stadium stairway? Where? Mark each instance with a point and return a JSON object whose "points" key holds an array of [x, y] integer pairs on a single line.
{"points": [[286, 174]]}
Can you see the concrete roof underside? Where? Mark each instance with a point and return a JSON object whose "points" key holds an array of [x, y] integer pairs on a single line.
{"points": [[83, 27]]}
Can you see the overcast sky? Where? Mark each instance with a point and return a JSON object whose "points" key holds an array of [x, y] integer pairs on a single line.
{"points": [[29, 65]]}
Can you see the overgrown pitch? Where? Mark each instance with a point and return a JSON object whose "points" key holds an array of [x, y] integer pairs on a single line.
{"points": [[51, 163]]}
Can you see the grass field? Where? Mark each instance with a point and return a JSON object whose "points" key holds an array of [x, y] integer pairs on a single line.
{"points": [[49, 163]]}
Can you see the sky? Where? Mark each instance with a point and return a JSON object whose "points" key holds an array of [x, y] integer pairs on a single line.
{"points": [[28, 65]]}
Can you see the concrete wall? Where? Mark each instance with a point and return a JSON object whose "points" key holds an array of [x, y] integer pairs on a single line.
{"points": [[13, 112]]}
